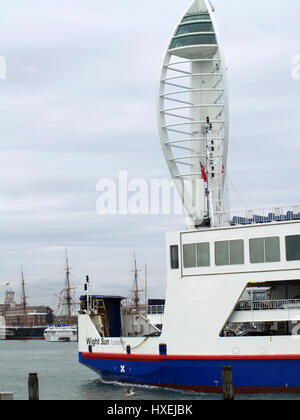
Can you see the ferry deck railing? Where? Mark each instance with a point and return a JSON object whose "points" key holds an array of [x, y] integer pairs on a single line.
{"points": [[249, 305], [156, 309], [151, 309], [255, 216], [265, 215]]}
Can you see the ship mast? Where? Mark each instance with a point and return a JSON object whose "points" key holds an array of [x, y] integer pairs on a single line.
{"points": [[136, 289], [24, 299], [136, 297], [65, 297], [68, 290]]}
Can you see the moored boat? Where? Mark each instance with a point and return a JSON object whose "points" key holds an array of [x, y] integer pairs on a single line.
{"points": [[61, 333], [24, 333]]}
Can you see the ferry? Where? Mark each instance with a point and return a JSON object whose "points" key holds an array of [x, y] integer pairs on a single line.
{"points": [[233, 279], [61, 333]]}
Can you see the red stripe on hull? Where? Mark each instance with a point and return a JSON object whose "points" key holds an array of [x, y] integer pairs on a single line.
{"points": [[160, 358]]}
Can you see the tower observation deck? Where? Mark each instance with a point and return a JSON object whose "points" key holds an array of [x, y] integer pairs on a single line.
{"points": [[193, 115]]}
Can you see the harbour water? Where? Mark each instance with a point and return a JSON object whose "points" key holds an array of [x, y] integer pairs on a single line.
{"points": [[61, 377]]}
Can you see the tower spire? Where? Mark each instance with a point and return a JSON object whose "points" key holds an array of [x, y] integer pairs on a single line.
{"points": [[193, 86], [199, 6]]}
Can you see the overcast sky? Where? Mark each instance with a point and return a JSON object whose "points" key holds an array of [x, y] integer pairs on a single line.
{"points": [[79, 104]]}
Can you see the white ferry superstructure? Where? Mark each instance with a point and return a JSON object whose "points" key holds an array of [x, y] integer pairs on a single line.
{"points": [[210, 266], [61, 333]]}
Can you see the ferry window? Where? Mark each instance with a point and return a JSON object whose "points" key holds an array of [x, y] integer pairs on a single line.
{"points": [[203, 16], [189, 256], [236, 252], [201, 39], [174, 257], [203, 255], [222, 253], [196, 255], [264, 250], [229, 252], [195, 27], [272, 249], [163, 349], [257, 250], [292, 248]]}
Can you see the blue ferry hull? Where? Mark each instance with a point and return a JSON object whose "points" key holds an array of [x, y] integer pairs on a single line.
{"points": [[253, 375]]}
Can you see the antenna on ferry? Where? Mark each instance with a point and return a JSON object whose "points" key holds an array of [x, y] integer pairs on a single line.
{"points": [[208, 175], [86, 288]]}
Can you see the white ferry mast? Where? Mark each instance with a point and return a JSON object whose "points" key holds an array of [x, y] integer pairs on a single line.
{"points": [[192, 95]]}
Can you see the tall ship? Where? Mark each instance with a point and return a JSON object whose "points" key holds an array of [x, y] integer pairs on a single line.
{"points": [[64, 329], [20, 321], [233, 280]]}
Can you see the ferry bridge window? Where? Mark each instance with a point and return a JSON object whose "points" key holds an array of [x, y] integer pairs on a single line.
{"points": [[201, 39], [257, 250], [196, 255], [189, 256], [236, 252], [202, 16], [174, 257], [264, 250], [222, 253], [203, 255], [229, 252], [195, 27], [272, 247], [292, 248]]}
